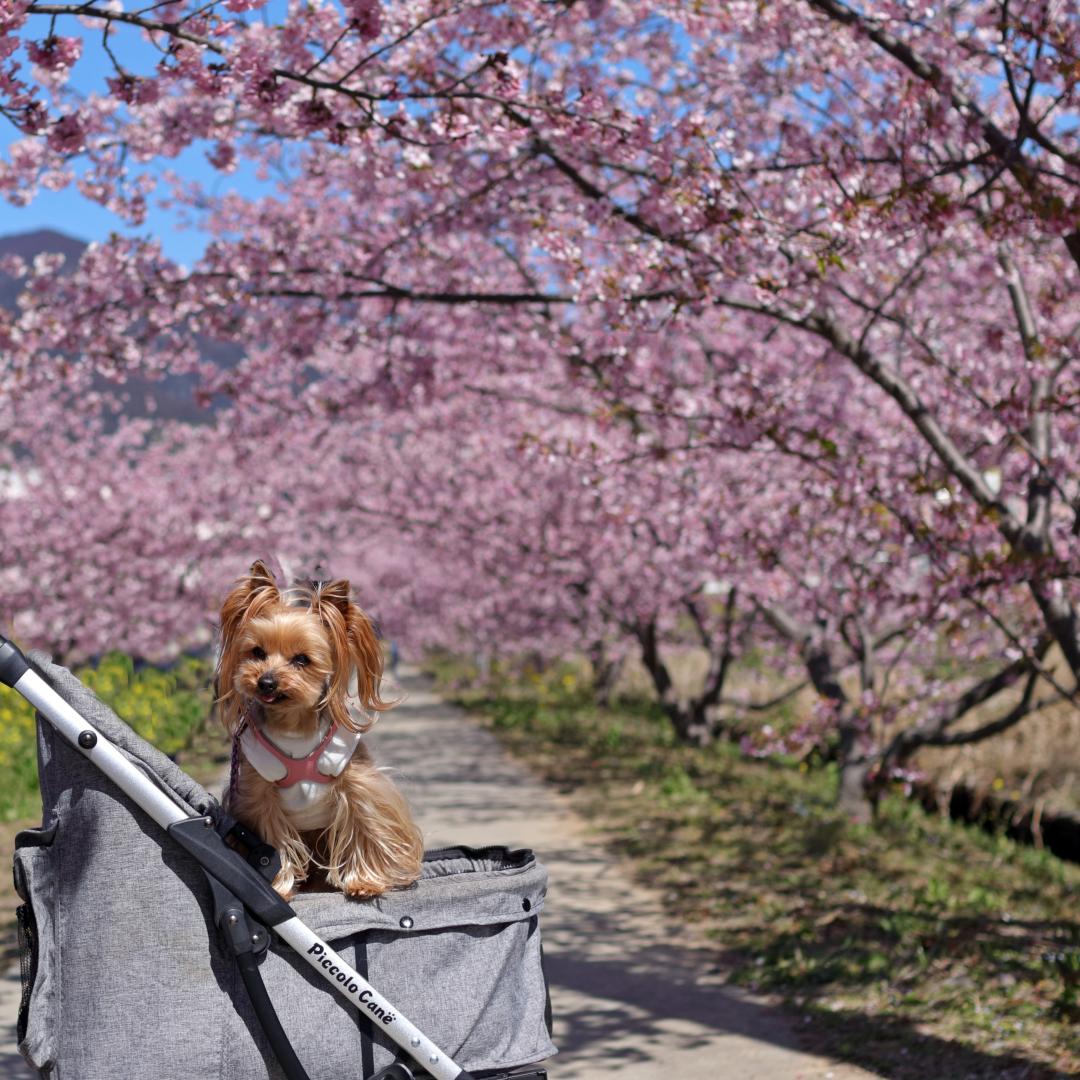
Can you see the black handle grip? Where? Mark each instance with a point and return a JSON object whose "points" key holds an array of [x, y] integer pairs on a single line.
{"points": [[13, 665]]}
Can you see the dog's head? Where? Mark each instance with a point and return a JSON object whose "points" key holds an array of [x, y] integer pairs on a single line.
{"points": [[294, 652]]}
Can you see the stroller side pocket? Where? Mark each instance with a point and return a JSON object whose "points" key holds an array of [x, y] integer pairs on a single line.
{"points": [[37, 1022]]}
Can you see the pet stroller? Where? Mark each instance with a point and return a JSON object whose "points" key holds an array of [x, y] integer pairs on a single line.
{"points": [[153, 945]]}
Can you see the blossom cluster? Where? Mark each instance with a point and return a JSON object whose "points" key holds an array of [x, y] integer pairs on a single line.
{"points": [[570, 328]]}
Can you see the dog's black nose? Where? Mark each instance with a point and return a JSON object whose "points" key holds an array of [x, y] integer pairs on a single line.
{"points": [[267, 683]]}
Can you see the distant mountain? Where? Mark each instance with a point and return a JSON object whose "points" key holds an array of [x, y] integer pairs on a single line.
{"points": [[172, 395], [27, 246], [34, 243]]}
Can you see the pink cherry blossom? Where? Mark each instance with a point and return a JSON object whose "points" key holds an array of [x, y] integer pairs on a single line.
{"points": [[55, 53], [572, 328]]}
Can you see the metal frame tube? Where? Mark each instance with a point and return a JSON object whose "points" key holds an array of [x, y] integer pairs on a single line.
{"points": [[82, 735], [365, 997]]}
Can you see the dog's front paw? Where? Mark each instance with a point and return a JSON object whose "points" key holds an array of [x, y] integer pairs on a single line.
{"points": [[354, 885], [286, 884]]}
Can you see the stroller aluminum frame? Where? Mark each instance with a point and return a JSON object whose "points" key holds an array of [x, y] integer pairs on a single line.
{"points": [[235, 883]]}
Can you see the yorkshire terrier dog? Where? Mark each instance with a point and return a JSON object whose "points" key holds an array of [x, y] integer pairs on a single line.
{"points": [[302, 777]]}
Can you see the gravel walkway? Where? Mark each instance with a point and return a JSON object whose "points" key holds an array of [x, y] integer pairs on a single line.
{"points": [[634, 996]]}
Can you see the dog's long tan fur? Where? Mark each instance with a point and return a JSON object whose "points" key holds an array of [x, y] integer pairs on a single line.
{"points": [[365, 840]]}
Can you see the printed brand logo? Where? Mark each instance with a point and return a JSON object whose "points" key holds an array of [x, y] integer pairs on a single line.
{"points": [[364, 997]]}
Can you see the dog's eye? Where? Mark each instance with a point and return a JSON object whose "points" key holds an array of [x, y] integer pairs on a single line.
{"points": [[300, 660], [258, 653]]}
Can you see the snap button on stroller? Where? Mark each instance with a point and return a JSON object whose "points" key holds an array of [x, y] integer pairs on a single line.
{"points": [[153, 948]]}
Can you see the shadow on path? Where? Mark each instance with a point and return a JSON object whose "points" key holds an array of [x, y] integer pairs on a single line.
{"points": [[12, 1066]]}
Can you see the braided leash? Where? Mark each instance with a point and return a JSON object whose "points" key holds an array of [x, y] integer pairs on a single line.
{"points": [[234, 761]]}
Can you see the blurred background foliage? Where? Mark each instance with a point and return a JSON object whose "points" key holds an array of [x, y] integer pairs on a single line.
{"points": [[167, 707]]}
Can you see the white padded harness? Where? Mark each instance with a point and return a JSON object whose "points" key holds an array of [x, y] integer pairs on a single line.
{"points": [[303, 800]]}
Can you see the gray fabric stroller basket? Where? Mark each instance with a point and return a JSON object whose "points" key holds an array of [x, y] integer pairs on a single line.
{"points": [[126, 975]]}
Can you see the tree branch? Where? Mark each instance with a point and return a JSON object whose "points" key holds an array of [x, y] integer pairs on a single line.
{"points": [[1040, 489], [934, 732], [1007, 150], [1023, 708]]}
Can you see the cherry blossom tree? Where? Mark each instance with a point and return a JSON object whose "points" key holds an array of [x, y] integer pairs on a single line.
{"points": [[777, 296]]}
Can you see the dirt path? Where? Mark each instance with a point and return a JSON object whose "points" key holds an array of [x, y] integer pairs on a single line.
{"points": [[635, 996], [12, 1066]]}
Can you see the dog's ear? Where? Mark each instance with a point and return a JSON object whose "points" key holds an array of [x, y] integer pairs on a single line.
{"points": [[255, 591], [248, 597], [336, 593], [368, 657], [261, 574], [359, 639]]}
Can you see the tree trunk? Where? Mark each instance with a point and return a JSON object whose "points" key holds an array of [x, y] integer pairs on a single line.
{"points": [[605, 674], [693, 720], [1061, 621], [852, 795], [695, 724]]}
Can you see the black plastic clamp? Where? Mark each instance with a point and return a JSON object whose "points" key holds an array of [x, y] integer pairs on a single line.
{"points": [[259, 854], [13, 665], [240, 934], [199, 839]]}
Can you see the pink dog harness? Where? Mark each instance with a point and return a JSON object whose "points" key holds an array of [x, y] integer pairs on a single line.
{"points": [[297, 769], [302, 775]]}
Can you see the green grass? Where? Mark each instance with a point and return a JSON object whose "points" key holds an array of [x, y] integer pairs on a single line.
{"points": [[166, 707], [914, 946]]}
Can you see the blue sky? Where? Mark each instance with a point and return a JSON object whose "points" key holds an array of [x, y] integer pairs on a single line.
{"points": [[66, 210], [69, 212]]}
